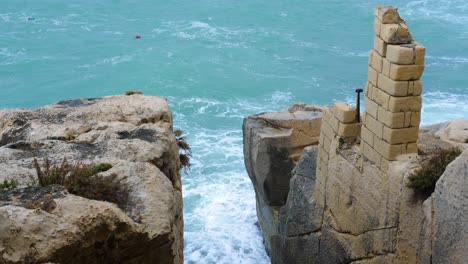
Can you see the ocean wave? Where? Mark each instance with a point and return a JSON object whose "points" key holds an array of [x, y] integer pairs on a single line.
{"points": [[453, 11], [442, 106]]}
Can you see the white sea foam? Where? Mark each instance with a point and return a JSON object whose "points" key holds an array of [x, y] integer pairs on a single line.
{"points": [[442, 106], [219, 201]]}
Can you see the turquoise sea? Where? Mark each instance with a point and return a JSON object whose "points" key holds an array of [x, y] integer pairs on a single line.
{"points": [[218, 61]]}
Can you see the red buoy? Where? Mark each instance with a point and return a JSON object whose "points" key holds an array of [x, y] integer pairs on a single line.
{"points": [[137, 36]]}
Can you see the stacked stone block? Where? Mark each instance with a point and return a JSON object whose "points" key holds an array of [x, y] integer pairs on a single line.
{"points": [[338, 125], [393, 91]]}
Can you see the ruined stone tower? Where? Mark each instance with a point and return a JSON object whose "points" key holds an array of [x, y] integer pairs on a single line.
{"points": [[393, 91]]}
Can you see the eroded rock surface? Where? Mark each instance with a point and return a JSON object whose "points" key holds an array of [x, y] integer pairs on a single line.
{"points": [[359, 214], [134, 134], [273, 143]]}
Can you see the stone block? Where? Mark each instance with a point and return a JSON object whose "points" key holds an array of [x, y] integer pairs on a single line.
{"points": [[344, 113], [329, 118], [415, 87], [411, 148], [371, 154], [367, 136], [415, 119], [323, 155], [395, 34], [405, 72], [369, 89], [387, 15], [391, 120], [349, 130], [381, 97], [407, 119], [326, 143], [371, 107], [400, 135], [377, 23], [374, 126], [394, 88], [380, 46], [405, 104], [372, 76], [386, 67], [420, 54], [388, 151], [375, 60], [327, 130], [401, 54]]}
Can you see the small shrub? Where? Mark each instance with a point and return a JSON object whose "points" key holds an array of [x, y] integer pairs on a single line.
{"points": [[71, 135], [424, 179], [100, 168], [52, 173], [132, 92], [185, 151], [7, 184], [82, 180]]}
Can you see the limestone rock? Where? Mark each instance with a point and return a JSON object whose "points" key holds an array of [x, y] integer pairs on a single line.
{"points": [[455, 130], [134, 134], [273, 142], [300, 215], [450, 229]]}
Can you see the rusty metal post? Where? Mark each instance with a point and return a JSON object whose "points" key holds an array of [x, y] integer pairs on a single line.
{"points": [[358, 105]]}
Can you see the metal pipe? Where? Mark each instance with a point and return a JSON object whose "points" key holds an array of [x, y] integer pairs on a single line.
{"points": [[358, 104]]}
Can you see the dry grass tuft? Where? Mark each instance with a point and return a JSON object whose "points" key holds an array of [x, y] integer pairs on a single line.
{"points": [[424, 179], [82, 180]]}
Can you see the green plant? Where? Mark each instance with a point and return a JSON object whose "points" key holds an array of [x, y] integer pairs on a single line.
{"points": [[132, 92], [185, 151], [100, 168], [424, 179], [8, 184], [82, 180], [52, 173]]}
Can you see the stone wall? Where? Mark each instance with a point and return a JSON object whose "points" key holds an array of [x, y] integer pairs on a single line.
{"points": [[348, 200], [393, 91]]}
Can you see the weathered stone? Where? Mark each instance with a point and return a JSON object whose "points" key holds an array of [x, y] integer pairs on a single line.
{"points": [[406, 54], [395, 34], [391, 87], [372, 76], [456, 130], [387, 150], [450, 231], [405, 72], [387, 15], [405, 104], [300, 215], [344, 113], [400, 135], [391, 120], [380, 46], [375, 61], [371, 107], [126, 131], [374, 126], [272, 143]]}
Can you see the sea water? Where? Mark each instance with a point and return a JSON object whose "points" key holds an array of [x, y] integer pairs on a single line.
{"points": [[218, 61]]}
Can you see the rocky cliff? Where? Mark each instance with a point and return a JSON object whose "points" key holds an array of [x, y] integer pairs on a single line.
{"points": [[134, 136], [346, 198]]}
